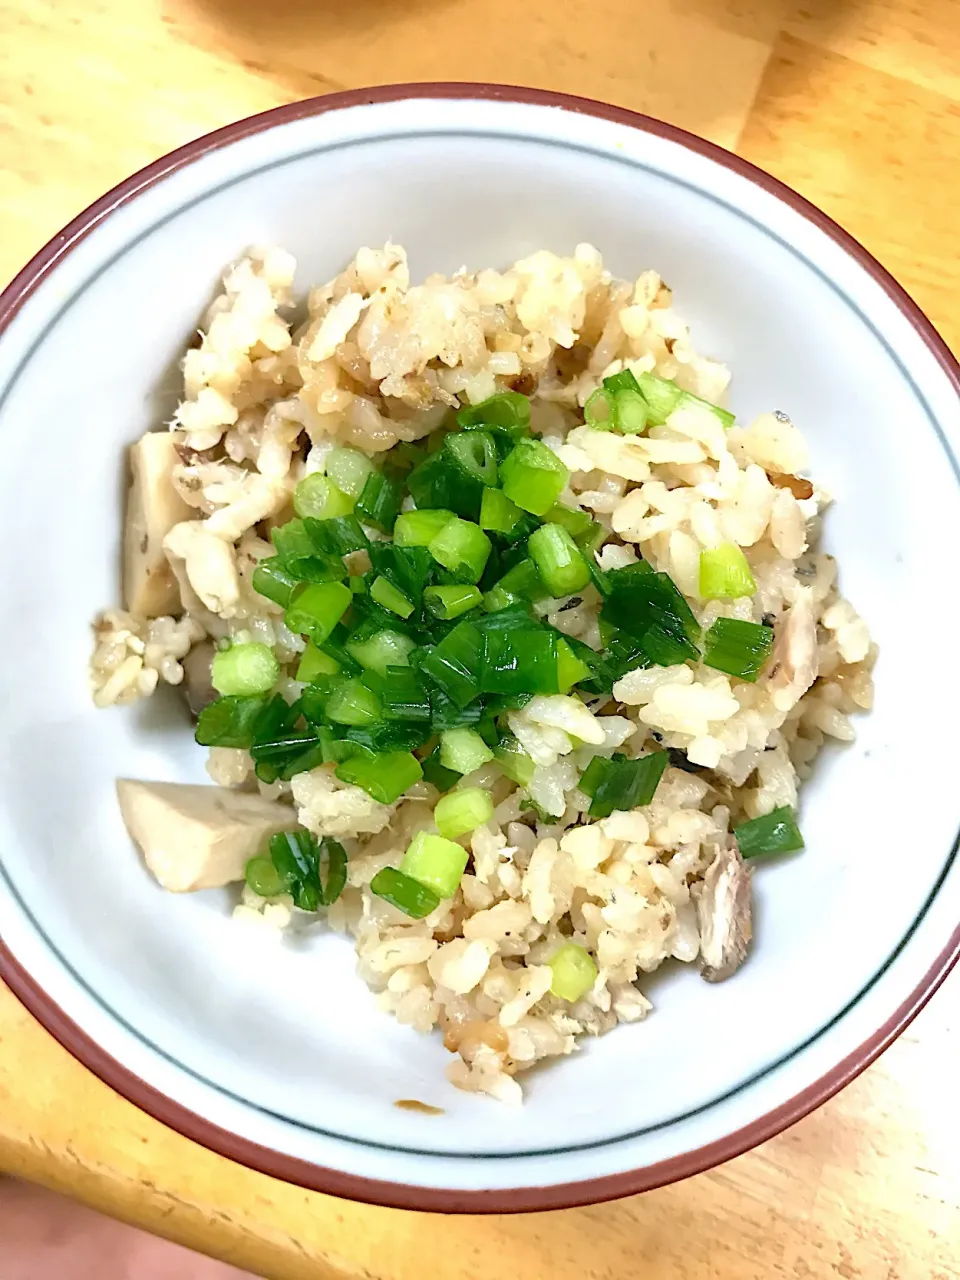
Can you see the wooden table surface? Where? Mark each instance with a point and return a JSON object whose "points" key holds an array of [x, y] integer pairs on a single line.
{"points": [[854, 102]]}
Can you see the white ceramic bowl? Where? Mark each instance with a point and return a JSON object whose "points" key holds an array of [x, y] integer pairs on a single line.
{"points": [[277, 1056]]}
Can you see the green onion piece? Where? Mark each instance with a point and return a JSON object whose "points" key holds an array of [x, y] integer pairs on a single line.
{"points": [[336, 536], [498, 514], [297, 858], [403, 695], [229, 722], [619, 783], [574, 972], [409, 896], [419, 528], [314, 662], [570, 669], [514, 761], [384, 775], [521, 583], [663, 396], [272, 580], [451, 601], [509, 410], [463, 750], [520, 661], [433, 771], [630, 412], [435, 862], [474, 454], [463, 548], [379, 503], [461, 812], [244, 669], [598, 410], [775, 832], [408, 568], [348, 469], [533, 477], [318, 497], [390, 597], [454, 663], [350, 702], [317, 609], [437, 483], [382, 650], [649, 607], [263, 878], [293, 541], [562, 568], [725, 573], [576, 522], [738, 648], [625, 380]]}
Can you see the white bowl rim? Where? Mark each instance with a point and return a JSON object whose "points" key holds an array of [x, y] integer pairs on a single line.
{"points": [[303, 1172]]}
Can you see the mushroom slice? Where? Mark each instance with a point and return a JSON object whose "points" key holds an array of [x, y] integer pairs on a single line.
{"points": [[724, 915], [153, 508], [196, 837], [197, 685]]}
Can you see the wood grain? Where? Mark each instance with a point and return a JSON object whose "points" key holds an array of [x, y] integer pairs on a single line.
{"points": [[855, 102]]}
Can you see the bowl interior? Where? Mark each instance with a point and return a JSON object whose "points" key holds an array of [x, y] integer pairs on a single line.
{"points": [[286, 1027]]}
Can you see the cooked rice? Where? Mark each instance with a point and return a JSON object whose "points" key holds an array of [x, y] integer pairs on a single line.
{"points": [[376, 361]]}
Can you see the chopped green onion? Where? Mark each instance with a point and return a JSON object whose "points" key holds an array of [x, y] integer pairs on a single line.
{"points": [[576, 522], [461, 812], [451, 601], [463, 750], [649, 607], [436, 773], [598, 410], [348, 469], [630, 411], [463, 548], [350, 702], [514, 761], [244, 669], [562, 568], [533, 477], [317, 609], [336, 536], [725, 573], [453, 664], [474, 454], [409, 896], [385, 775], [498, 514], [574, 972], [619, 783], [508, 410], [663, 396], [390, 597], [408, 568], [403, 695], [293, 541], [738, 648], [775, 832], [521, 583], [318, 497], [263, 878], [296, 857], [272, 580], [435, 862], [314, 662], [520, 661], [437, 483], [570, 669], [382, 650], [379, 503], [419, 528]]}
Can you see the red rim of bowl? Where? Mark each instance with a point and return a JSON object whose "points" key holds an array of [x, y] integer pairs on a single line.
{"points": [[402, 1195]]}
